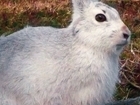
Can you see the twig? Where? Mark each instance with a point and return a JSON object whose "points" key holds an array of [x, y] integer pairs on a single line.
{"points": [[132, 51], [138, 87], [134, 101]]}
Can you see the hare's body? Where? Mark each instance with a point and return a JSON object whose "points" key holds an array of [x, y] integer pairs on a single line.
{"points": [[77, 65], [40, 70]]}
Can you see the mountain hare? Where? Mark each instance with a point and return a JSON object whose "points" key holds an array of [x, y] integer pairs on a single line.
{"points": [[77, 65]]}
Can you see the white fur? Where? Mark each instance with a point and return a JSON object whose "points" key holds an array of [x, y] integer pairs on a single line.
{"points": [[77, 65]]}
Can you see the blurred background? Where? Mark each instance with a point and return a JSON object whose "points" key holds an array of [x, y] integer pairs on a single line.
{"points": [[17, 14]]}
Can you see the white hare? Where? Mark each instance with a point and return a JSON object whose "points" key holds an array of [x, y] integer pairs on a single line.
{"points": [[77, 65]]}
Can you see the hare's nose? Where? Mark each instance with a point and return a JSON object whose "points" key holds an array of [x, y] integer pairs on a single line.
{"points": [[126, 32], [126, 36]]}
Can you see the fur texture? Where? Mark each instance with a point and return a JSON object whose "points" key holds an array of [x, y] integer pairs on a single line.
{"points": [[77, 65]]}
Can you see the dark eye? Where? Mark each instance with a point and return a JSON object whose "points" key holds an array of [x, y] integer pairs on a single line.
{"points": [[100, 17]]}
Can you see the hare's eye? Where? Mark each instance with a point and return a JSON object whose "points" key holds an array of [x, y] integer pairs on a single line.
{"points": [[100, 17]]}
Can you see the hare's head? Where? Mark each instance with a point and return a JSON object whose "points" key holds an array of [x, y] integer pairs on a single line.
{"points": [[99, 26]]}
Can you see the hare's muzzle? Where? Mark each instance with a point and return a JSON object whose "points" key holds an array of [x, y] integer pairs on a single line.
{"points": [[126, 33], [125, 36]]}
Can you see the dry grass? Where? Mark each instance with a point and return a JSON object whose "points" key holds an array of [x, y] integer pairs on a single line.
{"points": [[16, 14], [130, 60]]}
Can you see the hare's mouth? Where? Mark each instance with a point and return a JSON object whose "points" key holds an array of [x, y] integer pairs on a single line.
{"points": [[121, 45]]}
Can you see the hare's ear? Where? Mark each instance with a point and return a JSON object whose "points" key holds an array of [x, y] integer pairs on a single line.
{"points": [[81, 4]]}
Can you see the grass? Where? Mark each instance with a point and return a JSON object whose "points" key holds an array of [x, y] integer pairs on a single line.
{"points": [[16, 14], [129, 85]]}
